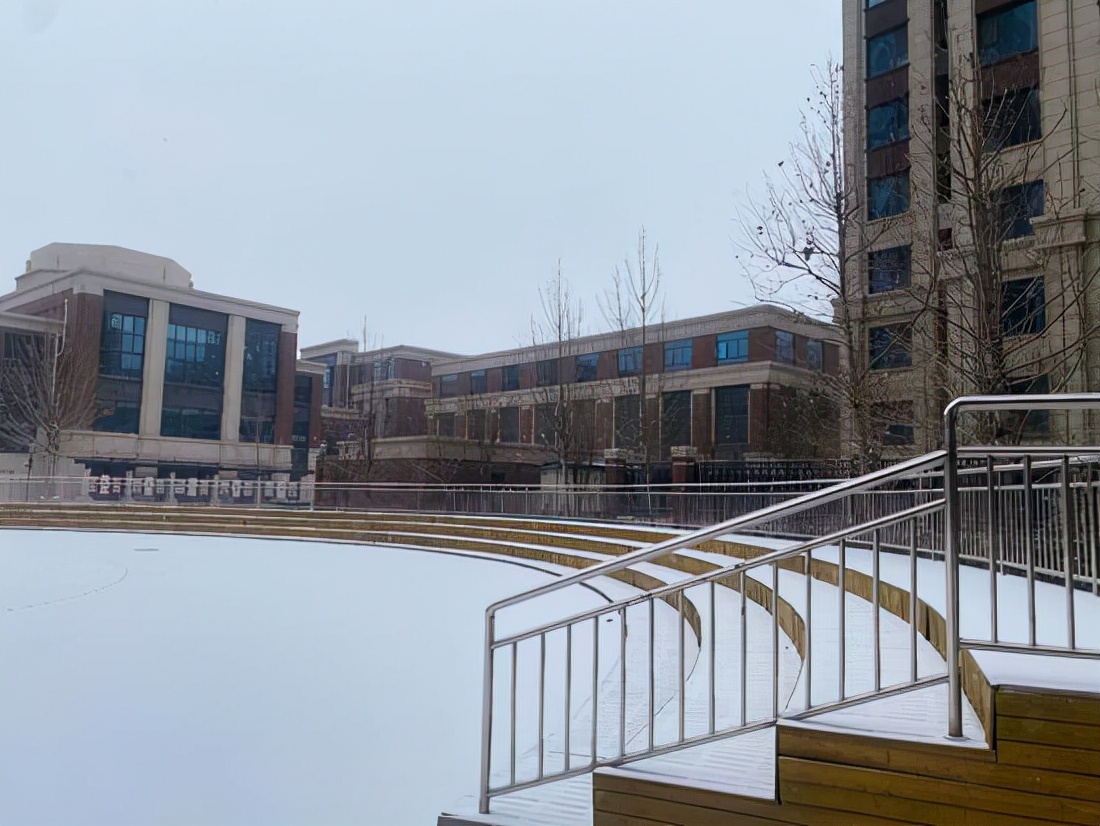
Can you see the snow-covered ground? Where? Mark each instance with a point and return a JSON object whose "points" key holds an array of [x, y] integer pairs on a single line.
{"points": [[183, 680]]}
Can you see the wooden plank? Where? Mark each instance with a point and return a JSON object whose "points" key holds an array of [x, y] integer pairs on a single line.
{"points": [[842, 780], [1064, 707], [1047, 733], [653, 793], [612, 819], [968, 765], [1057, 758], [901, 809], [687, 814]]}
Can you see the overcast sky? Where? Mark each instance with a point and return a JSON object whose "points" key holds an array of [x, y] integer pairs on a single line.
{"points": [[420, 164]]}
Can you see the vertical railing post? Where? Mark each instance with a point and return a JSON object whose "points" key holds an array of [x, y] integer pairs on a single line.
{"points": [[487, 713], [951, 570]]}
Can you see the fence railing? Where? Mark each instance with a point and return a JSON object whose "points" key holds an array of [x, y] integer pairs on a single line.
{"points": [[1031, 511]]}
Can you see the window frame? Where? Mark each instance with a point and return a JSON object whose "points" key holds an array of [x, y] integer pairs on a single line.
{"points": [[633, 358], [903, 197], [904, 253], [735, 340], [902, 123], [901, 331], [991, 57], [1023, 306], [479, 381], [788, 346], [678, 354], [900, 36], [591, 366]]}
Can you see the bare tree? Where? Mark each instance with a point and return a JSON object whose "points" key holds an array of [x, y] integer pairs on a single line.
{"points": [[801, 245], [558, 424], [47, 387], [634, 306], [1010, 315]]}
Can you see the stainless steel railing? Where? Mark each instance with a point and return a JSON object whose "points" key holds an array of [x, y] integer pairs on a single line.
{"points": [[1031, 511], [1044, 520]]}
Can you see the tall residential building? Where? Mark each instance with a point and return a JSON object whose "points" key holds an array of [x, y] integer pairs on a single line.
{"points": [[972, 142]]}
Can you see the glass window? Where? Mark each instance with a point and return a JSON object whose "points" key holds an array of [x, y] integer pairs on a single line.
{"points": [[627, 429], [587, 366], [1035, 422], [894, 422], [445, 424], [122, 338], [732, 348], [675, 420], [448, 385], [731, 415], [475, 425], [1006, 32], [479, 382], [872, 3], [195, 354], [546, 372], [784, 347], [509, 377], [814, 354], [889, 269], [509, 424], [888, 195], [191, 422], [1018, 205], [1023, 306], [891, 346], [546, 433], [888, 123], [887, 51], [1012, 119], [630, 361], [261, 355], [678, 354]]}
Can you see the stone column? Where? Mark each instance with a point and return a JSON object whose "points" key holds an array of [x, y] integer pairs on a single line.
{"points": [[152, 374], [234, 376]]}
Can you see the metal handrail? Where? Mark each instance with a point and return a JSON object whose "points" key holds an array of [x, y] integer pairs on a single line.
{"points": [[953, 532], [985, 504]]}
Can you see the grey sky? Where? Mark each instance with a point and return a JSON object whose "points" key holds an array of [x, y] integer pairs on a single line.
{"points": [[422, 164]]}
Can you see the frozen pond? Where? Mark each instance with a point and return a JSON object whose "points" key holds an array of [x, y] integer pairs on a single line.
{"points": [[148, 679]]}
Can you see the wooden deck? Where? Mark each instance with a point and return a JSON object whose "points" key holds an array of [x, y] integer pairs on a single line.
{"points": [[1044, 767]]}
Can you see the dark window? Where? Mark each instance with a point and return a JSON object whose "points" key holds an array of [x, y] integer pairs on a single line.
{"points": [[784, 347], [1006, 32], [261, 351], [329, 381], [194, 369], [731, 415], [1035, 422], [678, 354], [299, 429], [630, 361], [894, 422], [888, 195], [891, 346], [889, 269], [546, 433], [732, 348], [475, 425], [814, 354], [627, 429], [448, 385], [586, 366], [888, 123], [546, 372], [191, 422], [121, 363], [887, 51], [509, 377], [675, 420], [1012, 119], [122, 345], [1018, 205], [1023, 306], [872, 3], [479, 382], [509, 424], [445, 424]]}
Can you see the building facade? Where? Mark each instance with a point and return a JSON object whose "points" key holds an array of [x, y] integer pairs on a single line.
{"points": [[744, 383], [972, 142], [179, 380]]}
